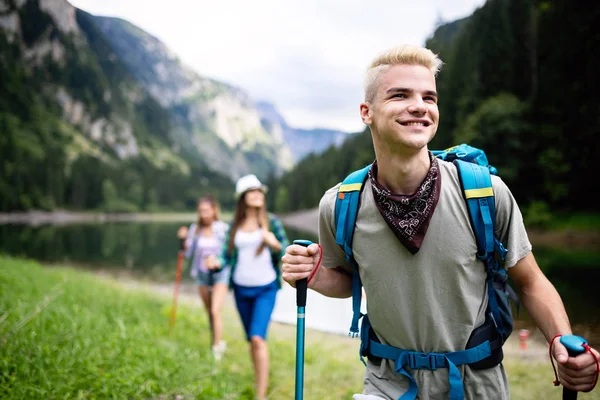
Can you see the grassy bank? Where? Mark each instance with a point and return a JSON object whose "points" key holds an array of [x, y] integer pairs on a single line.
{"points": [[66, 334]]}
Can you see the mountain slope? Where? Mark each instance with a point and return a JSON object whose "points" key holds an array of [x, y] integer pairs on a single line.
{"points": [[220, 122], [302, 142], [77, 129]]}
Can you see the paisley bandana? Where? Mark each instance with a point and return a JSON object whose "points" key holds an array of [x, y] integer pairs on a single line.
{"points": [[408, 216]]}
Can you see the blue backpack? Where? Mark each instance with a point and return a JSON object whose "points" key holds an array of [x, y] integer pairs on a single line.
{"points": [[484, 348]]}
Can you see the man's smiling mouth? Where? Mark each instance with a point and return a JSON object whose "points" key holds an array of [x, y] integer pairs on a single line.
{"points": [[415, 123]]}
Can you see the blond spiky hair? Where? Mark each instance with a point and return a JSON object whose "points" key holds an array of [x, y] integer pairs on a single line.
{"points": [[400, 55]]}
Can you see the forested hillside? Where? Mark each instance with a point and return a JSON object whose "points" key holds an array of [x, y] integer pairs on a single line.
{"points": [[76, 130], [97, 114]]}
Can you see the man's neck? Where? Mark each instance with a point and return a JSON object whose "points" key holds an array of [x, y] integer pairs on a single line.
{"points": [[402, 173]]}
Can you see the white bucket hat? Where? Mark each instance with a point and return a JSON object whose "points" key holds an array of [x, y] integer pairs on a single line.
{"points": [[248, 182]]}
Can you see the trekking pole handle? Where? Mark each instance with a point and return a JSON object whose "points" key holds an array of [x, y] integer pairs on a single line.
{"points": [[302, 284], [574, 345]]}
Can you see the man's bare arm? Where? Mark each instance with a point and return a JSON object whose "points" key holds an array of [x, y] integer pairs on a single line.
{"points": [[299, 263], [332, 282], [540, 298]]}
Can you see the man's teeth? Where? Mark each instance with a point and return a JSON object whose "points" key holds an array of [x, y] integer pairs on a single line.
{"points": [[414, 124]]}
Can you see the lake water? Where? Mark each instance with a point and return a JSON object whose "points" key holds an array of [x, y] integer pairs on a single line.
{"points": [[149, 250]]}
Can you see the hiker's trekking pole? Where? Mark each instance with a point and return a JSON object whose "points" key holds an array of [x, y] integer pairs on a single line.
{"points": [[180, 256], [301, 289], [211, 283], [575, 346]]}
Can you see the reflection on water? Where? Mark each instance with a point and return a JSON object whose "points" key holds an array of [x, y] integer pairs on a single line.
{"points": [[150, 250], [144, 249], [141, 248]]}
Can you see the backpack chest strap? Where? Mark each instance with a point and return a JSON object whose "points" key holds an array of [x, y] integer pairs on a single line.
{"points": [[431, 361]]}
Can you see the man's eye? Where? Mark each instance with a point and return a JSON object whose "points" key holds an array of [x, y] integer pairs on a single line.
{"points": [[400, 95], [430, 98]]}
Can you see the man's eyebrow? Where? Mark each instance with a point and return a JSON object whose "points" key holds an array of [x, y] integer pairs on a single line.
{"points": [[407, 90], [398, 89]]}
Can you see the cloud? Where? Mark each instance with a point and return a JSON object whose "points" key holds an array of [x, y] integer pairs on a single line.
{"points": [[306, 56]]}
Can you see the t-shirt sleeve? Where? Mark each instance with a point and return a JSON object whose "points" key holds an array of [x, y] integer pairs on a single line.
{"points": [[333, 255], [510, 228]]}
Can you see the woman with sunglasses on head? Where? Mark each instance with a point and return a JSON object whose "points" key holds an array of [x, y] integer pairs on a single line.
{"points": [[205, 238]]}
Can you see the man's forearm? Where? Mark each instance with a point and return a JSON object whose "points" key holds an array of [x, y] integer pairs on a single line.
{"points": [[332, 282], [539, 297], [544, 305]]}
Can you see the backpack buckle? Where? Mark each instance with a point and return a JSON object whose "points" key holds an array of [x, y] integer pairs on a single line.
{"points": [[500, 249], [430, 361]]}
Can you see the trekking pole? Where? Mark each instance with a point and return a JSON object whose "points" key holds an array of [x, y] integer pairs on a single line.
{"points": [[574, 345], [180, 256], [301, 289], [211, 283]]}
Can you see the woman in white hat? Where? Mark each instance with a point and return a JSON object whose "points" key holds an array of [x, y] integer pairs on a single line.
{"points": [[254, 245]]}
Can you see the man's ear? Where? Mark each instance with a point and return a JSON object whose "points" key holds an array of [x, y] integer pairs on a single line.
{"points": [[365, 113]]}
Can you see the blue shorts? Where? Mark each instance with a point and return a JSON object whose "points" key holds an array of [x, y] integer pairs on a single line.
{"points": [[255, 305], [205, 278]]}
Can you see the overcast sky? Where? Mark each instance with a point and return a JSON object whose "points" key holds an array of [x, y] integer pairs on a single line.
{"points": [[307, 57]]}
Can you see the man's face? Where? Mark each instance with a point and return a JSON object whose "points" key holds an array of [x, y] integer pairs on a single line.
{"points": [[404, 111]]}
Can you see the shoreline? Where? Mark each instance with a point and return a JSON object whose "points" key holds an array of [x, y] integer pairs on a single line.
{"points": [[65, 217], [303, 220]]}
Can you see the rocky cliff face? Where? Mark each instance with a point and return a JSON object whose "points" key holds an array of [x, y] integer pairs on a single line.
{"points": [[220, 121], [50, 40], [74, 116], [95, 109]]}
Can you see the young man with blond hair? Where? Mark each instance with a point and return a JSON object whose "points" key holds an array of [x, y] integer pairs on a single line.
{"points": [[416, 251]]}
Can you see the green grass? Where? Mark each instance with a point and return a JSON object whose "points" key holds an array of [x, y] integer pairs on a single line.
{"points": [[67, 334]]}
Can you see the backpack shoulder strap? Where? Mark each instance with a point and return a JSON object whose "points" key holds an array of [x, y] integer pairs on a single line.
{"points": [[347, 203], [477, 187], [346, 208]]}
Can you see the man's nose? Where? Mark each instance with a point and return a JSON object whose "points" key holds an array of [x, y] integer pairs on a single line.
{"points": [[417, 106]]}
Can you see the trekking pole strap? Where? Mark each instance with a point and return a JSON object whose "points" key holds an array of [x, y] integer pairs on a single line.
{"points": [[575, 345]]}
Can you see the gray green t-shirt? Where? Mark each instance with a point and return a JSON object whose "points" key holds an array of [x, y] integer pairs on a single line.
{"points": [[430, 301]]}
